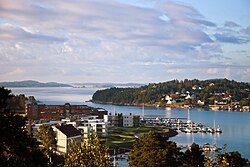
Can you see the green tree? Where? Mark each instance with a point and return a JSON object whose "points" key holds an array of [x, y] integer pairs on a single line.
{"points": [[154, 150], [48, 139], [89, 153], [232, 159], [208, 162], [16, 147], [194, 156]]}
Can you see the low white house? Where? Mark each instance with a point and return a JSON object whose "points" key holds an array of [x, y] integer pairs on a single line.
{"points": [[188, 97], [64, 134], [169, 100], [201, 103]]}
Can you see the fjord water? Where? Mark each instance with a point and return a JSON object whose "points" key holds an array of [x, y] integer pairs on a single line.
{"points": [[235, 125]]}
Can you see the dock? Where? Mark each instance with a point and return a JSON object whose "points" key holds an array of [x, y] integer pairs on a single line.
{"points": [[180, 124]]}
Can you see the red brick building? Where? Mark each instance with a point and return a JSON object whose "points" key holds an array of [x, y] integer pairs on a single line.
{"points": [[57, 112]]}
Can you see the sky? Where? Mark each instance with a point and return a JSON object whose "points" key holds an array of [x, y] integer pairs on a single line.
{"points": [[124, 41]]}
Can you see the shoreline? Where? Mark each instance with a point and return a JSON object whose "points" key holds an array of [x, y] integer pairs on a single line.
{"points": [[185, 106]]}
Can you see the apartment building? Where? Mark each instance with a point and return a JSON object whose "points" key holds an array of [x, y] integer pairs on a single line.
{"points": [[120, 120], [93, 125], [58, 112]]}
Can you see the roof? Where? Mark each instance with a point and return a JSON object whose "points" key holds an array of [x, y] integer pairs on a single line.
{"points": [[69, 130]]}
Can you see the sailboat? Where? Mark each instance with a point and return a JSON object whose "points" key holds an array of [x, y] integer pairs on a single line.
{"points": [[206, 147], [218, 129]]}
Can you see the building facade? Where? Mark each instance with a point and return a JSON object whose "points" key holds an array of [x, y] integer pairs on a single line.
{"points": [[120, 120], [115, 120], [58, 112], [94, 126], [64, 135]]}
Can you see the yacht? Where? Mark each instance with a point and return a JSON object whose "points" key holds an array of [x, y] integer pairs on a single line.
{"points": [[187, 130], [210, 130], [218, 130]]}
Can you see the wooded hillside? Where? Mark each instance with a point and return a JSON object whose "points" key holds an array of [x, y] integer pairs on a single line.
{"points": [[155, 94]]}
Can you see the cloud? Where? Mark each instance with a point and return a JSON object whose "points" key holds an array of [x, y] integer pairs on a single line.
{"points": [[230, 38], [8, 32], [17, 71], [232, 33], [212, 71], [246, 30], [231, 24], [64, 39]]}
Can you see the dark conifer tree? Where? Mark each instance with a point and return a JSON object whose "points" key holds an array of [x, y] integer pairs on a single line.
{"points": [[17, 148]]}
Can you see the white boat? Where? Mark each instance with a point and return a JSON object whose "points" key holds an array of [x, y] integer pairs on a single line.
{"points": [[206, 147], [203, 130], [194, 130], [210, 130], [218, 130], [187, 130]]}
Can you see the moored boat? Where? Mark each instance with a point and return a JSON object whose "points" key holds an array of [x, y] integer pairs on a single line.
{"points": [[218, 130]]}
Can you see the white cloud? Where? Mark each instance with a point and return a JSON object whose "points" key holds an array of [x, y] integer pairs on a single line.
{"points": [[102, 38], [16, 71], [212, 71], [18, 46]]}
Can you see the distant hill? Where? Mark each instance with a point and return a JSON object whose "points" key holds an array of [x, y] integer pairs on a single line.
{"points": [[30, 83], [184, 92], [107, 85]]}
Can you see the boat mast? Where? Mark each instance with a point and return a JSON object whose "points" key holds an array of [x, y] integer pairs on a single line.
{"points": [[142, 114], [188, 119], [215, 143], [188, 115]]}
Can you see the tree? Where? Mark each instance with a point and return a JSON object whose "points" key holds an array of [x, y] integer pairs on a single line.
{"points": [[208, 162], [89, 153], [194, 156], [154, 150], [232, 159], [4, 96], [17, 148], [48, 139]]}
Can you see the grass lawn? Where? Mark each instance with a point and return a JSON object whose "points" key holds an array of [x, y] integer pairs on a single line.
{"points": [[125, 136]]}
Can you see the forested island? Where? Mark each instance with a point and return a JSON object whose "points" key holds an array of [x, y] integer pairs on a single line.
{"points": [[217, 93]]}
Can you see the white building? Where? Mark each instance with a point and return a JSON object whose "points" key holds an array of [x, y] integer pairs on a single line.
{"points": [[86, 132], [64, 134], [169, 100], [96, 126], [199, 102], [188, 97]]}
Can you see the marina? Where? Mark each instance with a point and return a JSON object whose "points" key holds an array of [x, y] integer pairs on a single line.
{"points": [[181, 124]]}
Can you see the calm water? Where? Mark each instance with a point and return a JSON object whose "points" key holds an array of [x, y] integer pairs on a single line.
{"points": [[235, 125]]}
